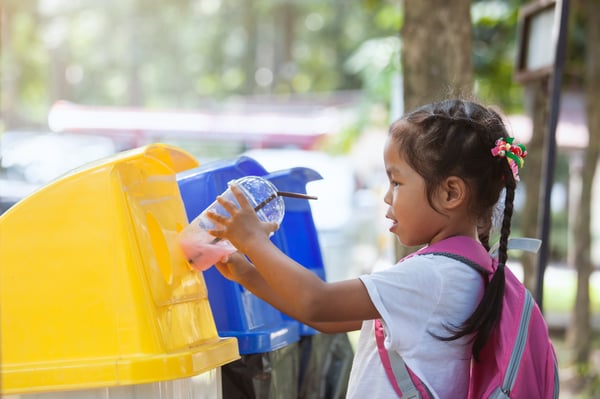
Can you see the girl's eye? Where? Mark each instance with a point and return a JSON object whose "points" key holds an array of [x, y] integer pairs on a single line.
{"points": [[394, 183]]}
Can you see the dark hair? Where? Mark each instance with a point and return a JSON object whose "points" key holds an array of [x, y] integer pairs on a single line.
{"points": [[455, 138]]}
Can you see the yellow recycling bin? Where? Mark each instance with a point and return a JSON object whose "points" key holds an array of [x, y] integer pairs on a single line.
{"points": [[95, 294]]}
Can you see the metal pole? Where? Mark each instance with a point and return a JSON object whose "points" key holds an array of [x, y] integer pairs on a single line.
{"points": [[548, 176]]}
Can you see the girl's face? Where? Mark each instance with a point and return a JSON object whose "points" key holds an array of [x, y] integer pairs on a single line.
{"points": [[414, 221]]}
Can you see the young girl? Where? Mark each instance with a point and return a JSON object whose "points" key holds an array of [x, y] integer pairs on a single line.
{"points": [[447, 165]]}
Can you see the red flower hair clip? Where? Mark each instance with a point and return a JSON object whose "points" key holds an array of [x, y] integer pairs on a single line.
{"points": [[514, 153]]}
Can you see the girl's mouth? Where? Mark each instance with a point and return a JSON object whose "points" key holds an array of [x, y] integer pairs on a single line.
{"points": [[394, 221]]}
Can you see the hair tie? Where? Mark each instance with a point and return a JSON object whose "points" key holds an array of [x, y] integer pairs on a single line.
{"points": [[514, 153]]}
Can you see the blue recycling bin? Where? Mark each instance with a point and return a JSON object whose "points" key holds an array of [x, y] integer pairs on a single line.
{"points": [[267, 340], [271, 344]]}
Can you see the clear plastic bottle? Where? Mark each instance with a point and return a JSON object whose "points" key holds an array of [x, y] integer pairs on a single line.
{"points": [[201, 249]]}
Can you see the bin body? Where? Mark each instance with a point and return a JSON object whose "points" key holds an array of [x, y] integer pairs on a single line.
{"points": [[95, 292], [204, 386]]}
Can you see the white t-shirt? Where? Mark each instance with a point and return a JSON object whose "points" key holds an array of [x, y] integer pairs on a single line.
{"points": [[420, 295]]}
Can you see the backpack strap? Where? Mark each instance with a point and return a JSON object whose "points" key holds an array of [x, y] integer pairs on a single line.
{"points": [[464, 249], [471, 252], [517, 353], [522, 243], [406, 384]]}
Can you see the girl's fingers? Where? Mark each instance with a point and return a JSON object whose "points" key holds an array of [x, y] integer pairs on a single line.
{"points": [[216, 217], [226, 204], [216, 233], [231, 207], [240, 196], [272, 227]]}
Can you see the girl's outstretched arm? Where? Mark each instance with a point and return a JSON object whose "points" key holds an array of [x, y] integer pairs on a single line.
{"points": [[237, 268], [302, 294]]}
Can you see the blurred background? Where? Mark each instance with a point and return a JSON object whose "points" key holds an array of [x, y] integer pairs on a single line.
{"points": [[302, 83]]}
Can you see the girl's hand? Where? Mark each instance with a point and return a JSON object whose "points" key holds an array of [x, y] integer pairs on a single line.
{"points": [[243, 228], [235, 267]]}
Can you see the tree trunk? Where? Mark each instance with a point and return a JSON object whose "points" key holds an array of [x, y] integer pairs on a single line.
{"points": [[8, 94], [537, 106], [436, 56], [135, 96], [580, 331], [284, 43], [250, 58], [436, 51]]}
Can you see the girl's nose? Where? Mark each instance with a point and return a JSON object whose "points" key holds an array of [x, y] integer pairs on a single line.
{"points": [[387, 198]]}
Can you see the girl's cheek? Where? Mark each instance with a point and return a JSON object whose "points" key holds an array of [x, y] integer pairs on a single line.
{"points": [[395, 194]]}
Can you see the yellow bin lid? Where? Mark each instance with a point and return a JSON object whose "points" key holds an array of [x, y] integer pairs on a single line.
{"points": [[94, 290]]}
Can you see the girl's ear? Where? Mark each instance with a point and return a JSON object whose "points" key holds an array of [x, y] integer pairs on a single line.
{"points": [[453, 192]]}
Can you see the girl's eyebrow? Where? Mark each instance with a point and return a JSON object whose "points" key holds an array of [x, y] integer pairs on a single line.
{"points": [[392, 169]]}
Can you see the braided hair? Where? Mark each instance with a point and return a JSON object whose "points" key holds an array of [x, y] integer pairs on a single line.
{"points": [[454, 138]]}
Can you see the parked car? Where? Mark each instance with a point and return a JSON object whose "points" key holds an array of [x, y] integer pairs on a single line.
{"points": [[32, 159]]}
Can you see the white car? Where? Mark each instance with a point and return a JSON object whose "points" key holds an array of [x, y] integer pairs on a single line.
{"points": [[343, 214], [30, 160]]}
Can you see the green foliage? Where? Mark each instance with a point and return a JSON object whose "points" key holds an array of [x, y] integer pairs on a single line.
{"points": [[182, 54], [494, 42], [376, 61], [189, 54], [22, 66], [576, 47]]}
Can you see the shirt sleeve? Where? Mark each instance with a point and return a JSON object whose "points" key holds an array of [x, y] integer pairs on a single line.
{"points": [[406, 295]]}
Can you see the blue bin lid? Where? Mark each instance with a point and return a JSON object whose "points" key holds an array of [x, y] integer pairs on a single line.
{"points": [[200, 186]]}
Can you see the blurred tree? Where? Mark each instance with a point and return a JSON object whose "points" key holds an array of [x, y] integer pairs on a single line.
{"points": [[436, 56], [436, 51], [180, 54], [536, 105], [494, 39], [189, 54], [580, 330], [24, 94]]}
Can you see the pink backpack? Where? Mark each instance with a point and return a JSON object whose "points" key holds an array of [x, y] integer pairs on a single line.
{"points": [[517, 362]]}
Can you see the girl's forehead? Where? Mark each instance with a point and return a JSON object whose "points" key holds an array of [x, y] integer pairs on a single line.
{"points": [[391, 142], [392, 149], [393, 158]]}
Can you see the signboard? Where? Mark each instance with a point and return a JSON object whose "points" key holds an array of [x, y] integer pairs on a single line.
{"points": [[537, 40]]}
